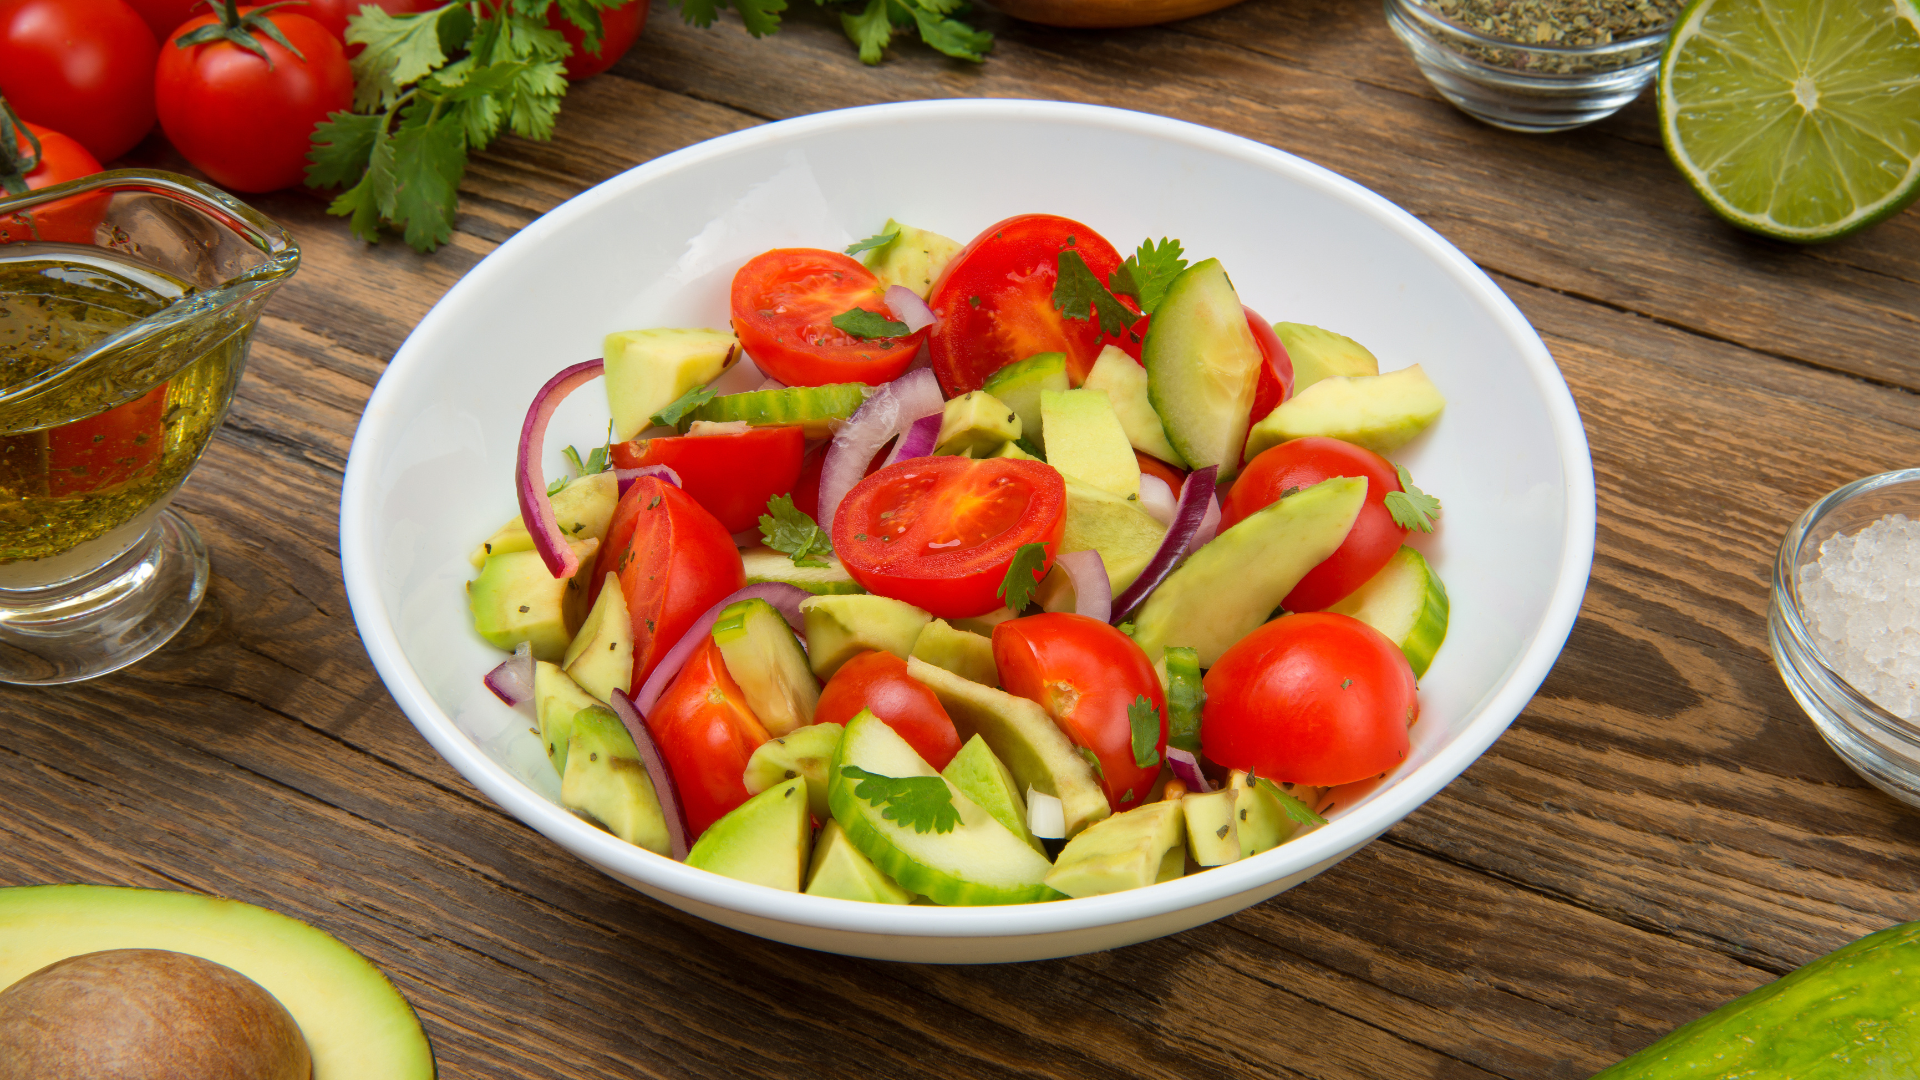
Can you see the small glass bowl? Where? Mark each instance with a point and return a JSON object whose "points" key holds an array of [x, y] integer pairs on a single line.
{"points": [[1878, 745], [1522, 86]]}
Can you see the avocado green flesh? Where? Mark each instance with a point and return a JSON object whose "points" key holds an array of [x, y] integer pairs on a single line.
{"points": [[1125, 535], [763, 656], [763, 841], [1317, 354], [976, 423], [804, 752], [1087, 442], [601, 656], [1126, 851], [582, 509], [647, 370], [1849, 1015], [1380, 412], [605, 780], [913, 258], [557, 699], [357, 1026], [840, 628], [981, 777], [838, 870], [963, 652], [516, 598]]}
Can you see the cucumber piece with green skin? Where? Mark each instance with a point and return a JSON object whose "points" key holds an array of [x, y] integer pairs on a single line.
{"points": [[1019, 385], [1849, 1015], [978, 862], [1406, 602], [1202, 367], [816, 409], [763, 656], [764, 564], [1186, 695]]}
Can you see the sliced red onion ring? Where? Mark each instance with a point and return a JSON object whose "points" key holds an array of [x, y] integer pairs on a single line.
{"points": [[1196, 498], [907, 306], [512, 681], [1209, 525], [1156, 498], [918, 440], [1187, 768], [530, 481], [663, 786], [786, 598], [887, 413], [625, 477], [1092, 589]]}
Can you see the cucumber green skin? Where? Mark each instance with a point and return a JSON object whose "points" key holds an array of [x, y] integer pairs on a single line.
{"points": [[1202, 368], [1430, 628], [815, 408], [1850, 1015], [1426, 627], [1185, 697]]}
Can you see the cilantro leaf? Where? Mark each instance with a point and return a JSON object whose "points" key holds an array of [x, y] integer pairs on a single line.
{"points": [[428, 160], [342, 146], [681, 406], [400, 49], [1144, 719], [877, 240], [1147, 272], [1079, 295], [921, 803], [761, 17], [1294, 809], [788, 529], [1412, 508], [949, 36], [1029, 565], [865, 324]]}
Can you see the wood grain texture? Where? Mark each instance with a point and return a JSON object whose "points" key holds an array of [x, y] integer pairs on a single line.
{"points": [[1661, 829]]}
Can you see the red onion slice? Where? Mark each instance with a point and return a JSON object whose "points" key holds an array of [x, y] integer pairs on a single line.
{"points": [[785, 598], [625, 477], [1196, 498], [887, 413], [1156, 498], [663, 786], [530, 481], [918, 440], [909, 308], [512, 681], [1092, 589], [1187, 768], [1209, 525]]}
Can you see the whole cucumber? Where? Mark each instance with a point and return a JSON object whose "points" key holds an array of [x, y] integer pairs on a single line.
{"points": [[1853, 1014]]}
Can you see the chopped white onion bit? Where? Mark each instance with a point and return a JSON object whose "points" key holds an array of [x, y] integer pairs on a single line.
{"points": [[889, 412], [907, 306], [1046, 818], [1092, 589], [1156, 498], [1187, 768]]}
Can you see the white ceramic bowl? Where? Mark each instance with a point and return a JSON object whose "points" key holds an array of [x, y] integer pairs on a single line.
{"points": [[430, 470]]}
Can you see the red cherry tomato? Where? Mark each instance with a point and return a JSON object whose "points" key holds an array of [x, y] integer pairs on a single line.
{"points": [[1087, 675], [732, 475], [939, 532], [784, 302], [674, 561], [242, 121], [70, 220], [161, 16], [706, 733], [1317, 698], [1276, 368], [806, 490], [878, 682], [619, 28], [83, 67], [995, 302], [1301, 463]]}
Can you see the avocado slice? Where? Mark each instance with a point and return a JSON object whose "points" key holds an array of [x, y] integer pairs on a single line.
{"points": [[1020, 383], [556, 700], [1317, 354], [1380, 412], [763, 656], [840, 871], [582, 509], [804, 752], [1229, 587], [914, 257], [601, 656], [1203, 367], [516, 598], [1125, 382], [841, 627], [1126, 851], [764, 840], [1125, 535], [1267, 816], [1024, 738], [765, 564], [648, 370], [981, 777], [966, 654], [976, 424], [1213, 834], [1087, 442], [1013, 450], [357, 1026], [606, 781]]}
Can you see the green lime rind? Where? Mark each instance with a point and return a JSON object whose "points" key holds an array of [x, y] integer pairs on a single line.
{"points": [[1796, 119]]}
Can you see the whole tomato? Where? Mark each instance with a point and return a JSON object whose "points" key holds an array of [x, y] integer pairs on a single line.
{"points": [[83, 67], [58, 160], [1316, 698], [878, 682], [619, 27], [1302, 463], [243, 119]]}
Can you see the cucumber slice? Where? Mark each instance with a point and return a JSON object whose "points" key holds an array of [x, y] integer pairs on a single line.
{"points": [[766, 564], [1019, 385], [816, 409], [979, 862], [763, 656], [1185, 697], [1406, 602], [1202, 367]]}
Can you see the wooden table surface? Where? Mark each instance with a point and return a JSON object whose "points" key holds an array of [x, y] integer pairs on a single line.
{"points": [[1660, 830]]}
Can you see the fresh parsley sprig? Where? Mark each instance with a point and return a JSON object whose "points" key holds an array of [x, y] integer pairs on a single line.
{"points": [[1144, 720], [868, 325], [871, 243], [677, 410], [922, 803], [1145, 276], [1412, 508], [787, 529], [1023, 575]]}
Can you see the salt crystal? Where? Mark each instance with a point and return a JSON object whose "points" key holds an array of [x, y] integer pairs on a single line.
{"points": [[1862, 602]]}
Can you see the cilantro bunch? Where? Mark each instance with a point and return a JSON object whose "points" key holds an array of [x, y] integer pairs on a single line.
{"points": [[869, 24]]}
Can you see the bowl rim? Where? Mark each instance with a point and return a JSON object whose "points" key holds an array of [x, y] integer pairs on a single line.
{"points": [[655, 873], [1420, 12]]}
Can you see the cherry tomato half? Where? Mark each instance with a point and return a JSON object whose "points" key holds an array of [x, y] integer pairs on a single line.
{"points": [[706, 733], [939, 532], [879, 681], [246, 122], [995, 302], [1317, 698], [619, 28], [1087, 675], [1301, 463], [70, 220], [732, 475], [674, 561], [1276, 368], [784, 302], [83, 67]]}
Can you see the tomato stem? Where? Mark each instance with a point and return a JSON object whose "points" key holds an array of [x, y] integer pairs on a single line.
{"points": [[14, 165], [233, 27]]}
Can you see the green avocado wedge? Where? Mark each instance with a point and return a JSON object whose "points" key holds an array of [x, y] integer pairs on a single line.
{"points": [[1850, 1015]]}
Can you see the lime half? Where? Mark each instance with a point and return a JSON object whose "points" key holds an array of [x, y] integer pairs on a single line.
{"points": [[1799, 119]]}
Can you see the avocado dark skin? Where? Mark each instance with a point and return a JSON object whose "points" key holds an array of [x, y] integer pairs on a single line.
{"points": [[146, 1014]]}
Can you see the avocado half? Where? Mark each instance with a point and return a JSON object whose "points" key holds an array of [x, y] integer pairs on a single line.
{"points": [[357, 1026]]}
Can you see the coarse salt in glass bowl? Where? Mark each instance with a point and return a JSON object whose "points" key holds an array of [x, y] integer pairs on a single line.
{"points": [[1844, 625], [1524, 85]]}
